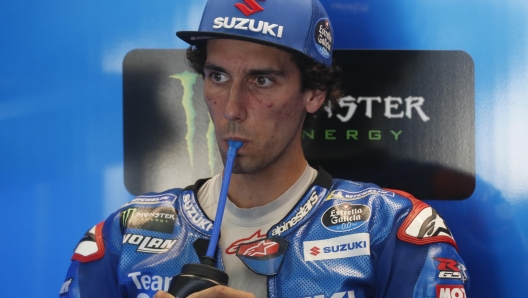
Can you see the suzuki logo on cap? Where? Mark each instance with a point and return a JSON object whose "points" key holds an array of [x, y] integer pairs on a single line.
{"points": [[253, 7]]}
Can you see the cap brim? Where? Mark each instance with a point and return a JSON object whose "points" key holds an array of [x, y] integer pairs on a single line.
{"points": [[197, 37]]}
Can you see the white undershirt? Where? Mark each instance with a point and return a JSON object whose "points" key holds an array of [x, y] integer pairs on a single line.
{"points": [[240, 224]]}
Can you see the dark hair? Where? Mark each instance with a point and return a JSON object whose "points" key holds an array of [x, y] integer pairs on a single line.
{"points": [[314, 75]]}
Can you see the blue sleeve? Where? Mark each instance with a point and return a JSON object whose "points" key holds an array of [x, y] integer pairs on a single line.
{"points": [[93, 270], [410, 270], [420, 258]]}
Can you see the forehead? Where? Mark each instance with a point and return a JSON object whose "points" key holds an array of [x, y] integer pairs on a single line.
{"points": [[238, 54]]}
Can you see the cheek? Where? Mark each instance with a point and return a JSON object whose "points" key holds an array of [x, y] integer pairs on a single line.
{"points": [[213, 100]]}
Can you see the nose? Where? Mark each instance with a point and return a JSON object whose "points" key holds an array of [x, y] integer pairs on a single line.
{"points": [[235, 109]]}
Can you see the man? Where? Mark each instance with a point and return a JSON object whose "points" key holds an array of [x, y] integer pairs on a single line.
{"points": [[289, 230]]}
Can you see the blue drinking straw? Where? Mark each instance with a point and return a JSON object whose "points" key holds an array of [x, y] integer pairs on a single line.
{"points": [[231, 153]]}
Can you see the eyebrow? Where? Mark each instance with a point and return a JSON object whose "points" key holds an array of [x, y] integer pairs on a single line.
{"points": [[212, 67], [252, 72]]}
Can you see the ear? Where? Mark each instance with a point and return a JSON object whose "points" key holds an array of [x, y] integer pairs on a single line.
{"points": [[314, 99]]}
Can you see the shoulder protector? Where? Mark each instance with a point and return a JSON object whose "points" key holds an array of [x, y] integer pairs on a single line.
{"points": [[423, 224]]}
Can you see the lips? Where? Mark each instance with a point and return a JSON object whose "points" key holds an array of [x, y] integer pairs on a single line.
{"points": [[245, 141], [239, 139]]}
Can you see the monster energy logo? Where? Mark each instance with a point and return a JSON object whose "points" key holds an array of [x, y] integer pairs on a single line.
{"points": [[187, 80], [160, 219], [125, 217]]}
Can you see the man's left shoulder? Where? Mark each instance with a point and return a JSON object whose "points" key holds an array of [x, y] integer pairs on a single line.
{"points": [[423, 224], [420, 223], [351, 191]]}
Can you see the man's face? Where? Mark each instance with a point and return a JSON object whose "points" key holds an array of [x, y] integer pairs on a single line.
{"points": [[253, 95]]}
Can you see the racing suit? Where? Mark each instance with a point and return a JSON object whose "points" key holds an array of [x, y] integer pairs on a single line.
{"points": [[342, 239]]}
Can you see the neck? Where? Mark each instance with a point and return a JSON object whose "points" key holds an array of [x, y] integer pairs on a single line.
{"points": [[265, 186]]}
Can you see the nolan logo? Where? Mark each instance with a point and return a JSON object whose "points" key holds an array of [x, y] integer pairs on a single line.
{"points": [[337, 248], [248, 24], [148, 244], [253, 7]]}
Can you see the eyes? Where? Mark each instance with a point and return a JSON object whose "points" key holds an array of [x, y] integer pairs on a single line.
{"points": [[218, 77], [263, 81], [259, 81]]}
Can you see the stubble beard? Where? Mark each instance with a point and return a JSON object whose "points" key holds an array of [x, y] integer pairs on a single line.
{"points": [[262, 158]]}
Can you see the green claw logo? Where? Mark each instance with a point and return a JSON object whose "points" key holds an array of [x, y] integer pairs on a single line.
{"points": [[187, 80], [125, 217]]}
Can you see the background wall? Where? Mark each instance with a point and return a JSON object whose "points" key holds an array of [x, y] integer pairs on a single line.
{"points": [[61, 132]]}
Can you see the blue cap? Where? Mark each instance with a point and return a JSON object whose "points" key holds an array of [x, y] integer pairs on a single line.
{"points": [[300, 26]]}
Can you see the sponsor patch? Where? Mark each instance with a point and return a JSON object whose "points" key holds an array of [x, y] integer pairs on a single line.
{"points": [[194, 214], [323, 37], [232, 249], [424, 225], [345, 217], [159, 219], [251, 9], [248, 24], [147, 244], [349, 196], [451, 269], [152, 199], [91, 247], [450, 291], [153, 283], [299, 215], [65, 286], [337, 248], [347, 294], [264, 256]]}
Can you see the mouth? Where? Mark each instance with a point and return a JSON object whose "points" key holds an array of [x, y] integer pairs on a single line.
{"points": [[244, 141]]}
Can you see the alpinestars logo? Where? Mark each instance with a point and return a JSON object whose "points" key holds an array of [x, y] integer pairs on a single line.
{"points": [[303, 211], [428, 224], [147, 244], [253, 7], [260, 248], [232, 249], [424, 225]]}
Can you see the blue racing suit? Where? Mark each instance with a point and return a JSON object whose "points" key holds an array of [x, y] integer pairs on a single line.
{"points": [[342, 239]]}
